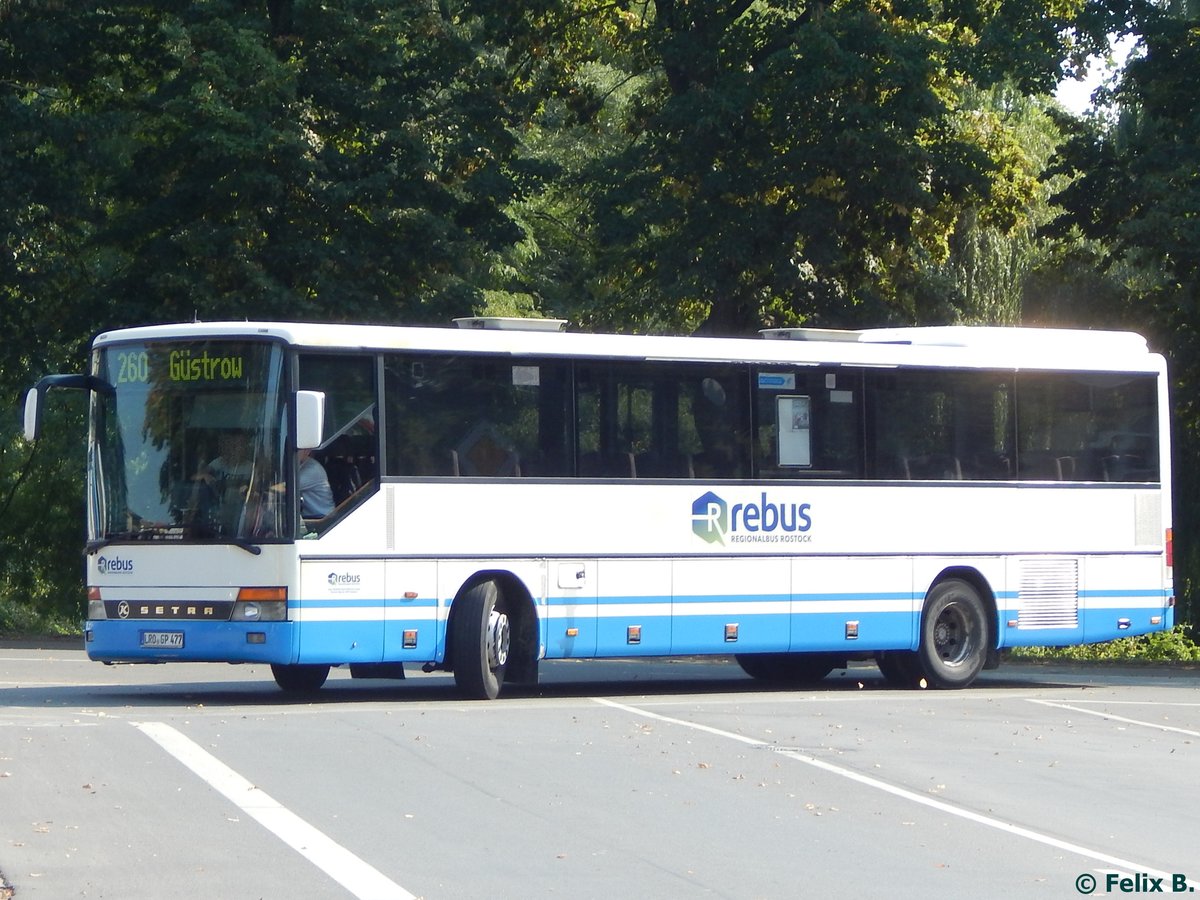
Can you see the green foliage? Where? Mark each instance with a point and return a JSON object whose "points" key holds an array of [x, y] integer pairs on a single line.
{"points": [[1135, 196], [41, 523], [989, 260], [1176, 645], [774, 162], [213, 162]]}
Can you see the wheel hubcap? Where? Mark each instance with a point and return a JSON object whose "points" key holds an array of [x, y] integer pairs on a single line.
{"points": [[951, 636], [497, 639]]}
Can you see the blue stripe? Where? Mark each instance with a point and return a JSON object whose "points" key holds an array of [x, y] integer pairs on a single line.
{"points": [[372, 603], [1131, 592]]}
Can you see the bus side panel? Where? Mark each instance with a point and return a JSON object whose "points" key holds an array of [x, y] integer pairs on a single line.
{"points": [[341, 610], [571, 610], [859, 604], [633, 607], [1064, 600], [730, 605], [412, 613], [1123, 596]]}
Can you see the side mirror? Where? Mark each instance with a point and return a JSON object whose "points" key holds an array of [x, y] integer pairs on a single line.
{"points": [[34, 397], [33, 414], [310, 419]]}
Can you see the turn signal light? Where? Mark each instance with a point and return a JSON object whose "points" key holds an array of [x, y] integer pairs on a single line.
{"points": [[259, 594], [95, 605]]}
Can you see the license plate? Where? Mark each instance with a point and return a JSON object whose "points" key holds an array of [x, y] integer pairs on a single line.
{"points": [[168, 640]]}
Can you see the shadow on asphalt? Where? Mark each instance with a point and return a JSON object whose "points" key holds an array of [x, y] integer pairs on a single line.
{"points": [[574, 679]]}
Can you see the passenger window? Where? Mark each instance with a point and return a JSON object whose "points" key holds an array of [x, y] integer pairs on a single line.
{"points": [[476, 416], [348, 452], [663, 421], [1088, 427], [941, 426]]}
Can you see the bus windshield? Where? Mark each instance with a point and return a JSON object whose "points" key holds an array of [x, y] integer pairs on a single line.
{"points": [[189, 444]]}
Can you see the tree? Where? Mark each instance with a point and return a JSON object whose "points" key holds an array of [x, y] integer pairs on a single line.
{"points": [[229, 163], [1136, 192], [782, 162]]}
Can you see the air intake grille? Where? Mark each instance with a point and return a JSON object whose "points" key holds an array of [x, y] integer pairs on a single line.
{"points": [[1049, 594]]}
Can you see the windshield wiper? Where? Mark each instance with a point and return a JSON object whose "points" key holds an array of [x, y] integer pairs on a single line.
{"points": [[98, 544], [240, 542]]}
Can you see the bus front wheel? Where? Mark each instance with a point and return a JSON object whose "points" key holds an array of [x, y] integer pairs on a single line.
{"points": [[954, 635], [302, 679], [480, 641]]}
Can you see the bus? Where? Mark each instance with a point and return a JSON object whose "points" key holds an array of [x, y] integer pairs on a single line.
{"points": [[506, 492]]}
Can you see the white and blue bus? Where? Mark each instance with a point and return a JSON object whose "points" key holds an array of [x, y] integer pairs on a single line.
{"points": [[507, 492]]}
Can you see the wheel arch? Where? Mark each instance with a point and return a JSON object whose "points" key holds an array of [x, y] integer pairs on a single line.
{"points": [[975, 579], [519, 604]]}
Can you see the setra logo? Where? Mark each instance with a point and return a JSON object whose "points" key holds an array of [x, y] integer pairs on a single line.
{"points": [[765, 521], [114, 566]]}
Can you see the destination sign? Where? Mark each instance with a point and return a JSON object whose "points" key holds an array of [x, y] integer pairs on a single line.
{"points": [[133, 366]]}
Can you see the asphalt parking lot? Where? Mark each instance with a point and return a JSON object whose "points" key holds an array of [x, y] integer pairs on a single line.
{"points": [[653, 778]]}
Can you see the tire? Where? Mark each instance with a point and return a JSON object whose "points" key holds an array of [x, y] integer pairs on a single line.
{"points": [[300, 679], [955, 636], [900, 668], [787, 668], [480, 641]]}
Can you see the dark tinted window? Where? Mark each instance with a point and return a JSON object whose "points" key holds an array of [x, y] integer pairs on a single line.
{"points": [[1088, 427], [937, 425], [661, 420], [487, 416], [476, 416]]}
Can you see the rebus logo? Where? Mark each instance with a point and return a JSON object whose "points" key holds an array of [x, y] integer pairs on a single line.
{"points": [[710, 518], [714, 520], [344, 580], [114, 566]]}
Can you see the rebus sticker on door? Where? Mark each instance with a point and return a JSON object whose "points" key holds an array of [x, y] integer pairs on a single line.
{"points": [[331, 578]]}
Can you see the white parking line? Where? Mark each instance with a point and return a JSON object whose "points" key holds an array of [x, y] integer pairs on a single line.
{"points": [[358, 877], [1054, 704], [940, 805]]}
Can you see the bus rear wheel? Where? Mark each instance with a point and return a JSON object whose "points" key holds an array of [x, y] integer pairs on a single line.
{"points": [[300, 679], [788, 668], [954, 635], [480, 641]]}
